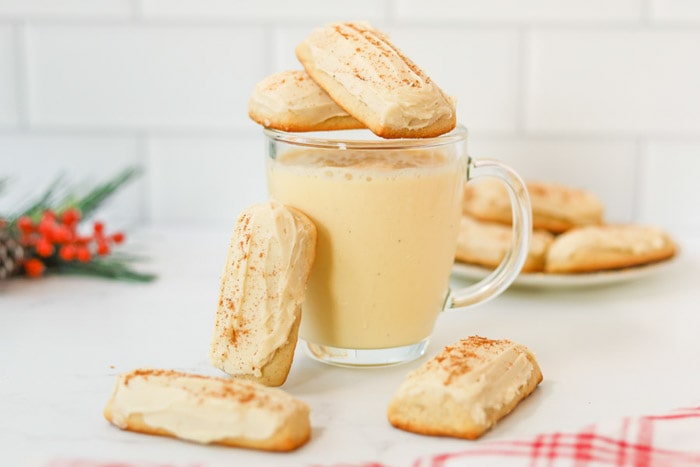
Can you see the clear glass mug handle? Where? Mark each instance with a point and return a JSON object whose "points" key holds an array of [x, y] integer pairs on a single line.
{"points": [[506, 272]]}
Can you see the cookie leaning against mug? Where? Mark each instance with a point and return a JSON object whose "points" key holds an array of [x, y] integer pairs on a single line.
{"points": [[271, 252], [595, 248], [555, 207]]}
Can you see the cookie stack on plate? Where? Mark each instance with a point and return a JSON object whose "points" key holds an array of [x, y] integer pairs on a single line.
{"points": [[569, 232]]}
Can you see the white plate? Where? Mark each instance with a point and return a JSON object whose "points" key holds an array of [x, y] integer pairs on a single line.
{"points": [[544, 280]]}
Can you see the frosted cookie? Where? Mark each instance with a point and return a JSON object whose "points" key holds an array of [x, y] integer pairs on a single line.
{"points": [[555, 207], [486, 244], [262, 288], [230, 412], [595, 248], [374, 82], [464, 390], [292, 101]]}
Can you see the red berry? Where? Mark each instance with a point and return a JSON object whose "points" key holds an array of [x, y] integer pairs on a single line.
{"points": [[62, 234], [25, 224], [102, 248], [48, 215], [46, 227], [34, 267], [83, 254], [44, 247], [118, 237], [99, 228], [70, 216], [67, 252]]}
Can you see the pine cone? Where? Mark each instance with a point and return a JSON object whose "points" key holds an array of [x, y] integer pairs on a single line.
{"points": [[11, 253]]}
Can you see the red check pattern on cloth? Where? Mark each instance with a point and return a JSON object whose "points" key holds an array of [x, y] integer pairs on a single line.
{"points": [[666, 440]]}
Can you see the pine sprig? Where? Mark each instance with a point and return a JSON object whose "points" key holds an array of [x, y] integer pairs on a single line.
{"points": [[35, 208], [56, 197], [47, 227], [89, 203]]}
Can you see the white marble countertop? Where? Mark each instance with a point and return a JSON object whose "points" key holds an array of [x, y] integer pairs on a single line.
{"points": [[605, 352]]}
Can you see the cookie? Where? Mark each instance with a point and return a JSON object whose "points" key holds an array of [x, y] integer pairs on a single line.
{"points": [[486, 244], [596, 248], [555, 207], [292, 101], [270, 256], [208, 410], [376, 83], [464, 390]]}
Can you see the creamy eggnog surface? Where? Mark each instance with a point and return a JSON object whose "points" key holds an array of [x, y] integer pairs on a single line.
{"points": [[387, 231]]}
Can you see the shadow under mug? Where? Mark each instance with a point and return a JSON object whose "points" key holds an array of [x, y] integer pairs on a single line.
{"points": [[388, 215]]}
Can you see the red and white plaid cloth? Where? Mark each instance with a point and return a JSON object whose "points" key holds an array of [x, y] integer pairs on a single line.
{"points": [[666, 440]]}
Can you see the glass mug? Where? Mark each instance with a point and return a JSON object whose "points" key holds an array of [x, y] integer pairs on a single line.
{"points": [[388, 215]]}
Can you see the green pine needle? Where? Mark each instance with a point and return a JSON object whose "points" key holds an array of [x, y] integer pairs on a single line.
{"points": [[110, 268], [39, 205], [58, 198], [89, 203]]}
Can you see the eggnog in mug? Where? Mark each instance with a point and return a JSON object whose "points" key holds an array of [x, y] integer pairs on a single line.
{"points": [[387, 214], [387, 225]]}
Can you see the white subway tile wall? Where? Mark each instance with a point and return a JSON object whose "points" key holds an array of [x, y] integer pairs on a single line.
{"points": [[518, 10], [477, 66], [304, 11], [31, 161], [142, 77], [669, 193], [609, 81], [675, 10], [8, 77], [601, 166], [600, 94], [210, 179], [53, 9]]}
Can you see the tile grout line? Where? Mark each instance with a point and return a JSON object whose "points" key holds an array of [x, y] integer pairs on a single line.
{"points": [[218, 132], [124, 131], [522, 81], [270, 48], [143, 155], [389, 13], [644, 21], [646, 13], [640, 176], [136, 8]]}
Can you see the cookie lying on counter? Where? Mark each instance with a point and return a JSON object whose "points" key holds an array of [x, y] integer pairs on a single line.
{"points": [[270, 256], [464, 390], [209, 410]]}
